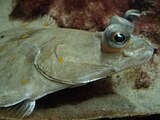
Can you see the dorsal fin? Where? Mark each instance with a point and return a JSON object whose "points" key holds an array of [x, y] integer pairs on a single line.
{"points": [[42, 22]]}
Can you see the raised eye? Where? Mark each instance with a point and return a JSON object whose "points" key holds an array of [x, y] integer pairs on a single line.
{"points": [[119, 38], [115, 38]]}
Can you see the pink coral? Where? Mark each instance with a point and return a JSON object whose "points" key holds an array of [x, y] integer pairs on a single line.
{"points": [[88, 14]]}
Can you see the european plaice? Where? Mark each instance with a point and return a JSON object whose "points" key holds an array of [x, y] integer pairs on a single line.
{"points": [[39, 58]]}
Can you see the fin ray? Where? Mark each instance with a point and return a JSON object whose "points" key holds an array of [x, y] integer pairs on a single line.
{"points": [[23, 109], [45, 21]]}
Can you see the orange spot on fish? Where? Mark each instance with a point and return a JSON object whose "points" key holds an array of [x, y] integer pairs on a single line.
{"points": [[25, 36], [60, 59], [24, 81], [46, 25]]}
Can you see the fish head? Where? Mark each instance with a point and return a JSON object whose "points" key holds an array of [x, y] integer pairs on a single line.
{"points": [[77, 57], [122, 48]]}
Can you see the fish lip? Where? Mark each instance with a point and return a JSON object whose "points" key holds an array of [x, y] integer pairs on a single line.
{"points": [[148, 55], [143, 59]]}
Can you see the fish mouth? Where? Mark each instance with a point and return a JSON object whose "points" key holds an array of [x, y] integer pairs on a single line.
{"points": [[150, 52], [137, 54], [145, 56]]}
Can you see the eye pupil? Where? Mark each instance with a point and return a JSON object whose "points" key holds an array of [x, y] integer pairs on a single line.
{"points": [[119, 37]]}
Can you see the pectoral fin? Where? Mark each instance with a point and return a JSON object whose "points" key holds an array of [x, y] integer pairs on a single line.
{"points": [[23, 109]]}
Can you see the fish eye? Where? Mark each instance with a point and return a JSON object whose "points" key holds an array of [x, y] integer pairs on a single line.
{"points": [[119, 38], [115, 38]]}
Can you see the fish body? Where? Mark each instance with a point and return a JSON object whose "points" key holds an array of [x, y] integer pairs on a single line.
{"points": [[36, 60]]}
